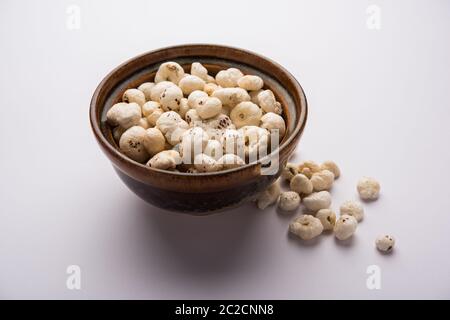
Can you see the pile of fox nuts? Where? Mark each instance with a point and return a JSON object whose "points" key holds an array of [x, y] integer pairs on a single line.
{"points": [[195, 122]]}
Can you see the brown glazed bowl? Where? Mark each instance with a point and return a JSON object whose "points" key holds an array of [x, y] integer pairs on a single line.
{"points": [[201, 193]]}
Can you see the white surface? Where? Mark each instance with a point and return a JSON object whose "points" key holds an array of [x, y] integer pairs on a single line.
{"points": [[379, 106]]}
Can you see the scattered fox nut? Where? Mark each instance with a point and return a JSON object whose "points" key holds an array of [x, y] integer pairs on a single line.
{"points": [[269, 196], [352, 208], [327, 217], [345, 227], [331, 166], [385, 243], [289, 201], [322, 180], [301, 184], [368, 188], [289, 171], [317, 200], [308, 168], [306, 227]]}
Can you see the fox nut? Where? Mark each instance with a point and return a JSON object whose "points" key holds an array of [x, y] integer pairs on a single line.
{"points": [[158, 88], [172, 126], [246, 114], [331, 166], [191, 83], [165, 160], [306, 227], [230, 161], [269, 196], [230, 97], [214, 149], [272, 122], [169, 71], [134, 95], [268, 102], [317, 200], [352, 208], [154, 141], [308, 168], [322, 180], [345, 227], [256, 141], [146, 89], [131, 143], [208, 107], [301, 184], [205, 163], [368, 188], [124, 114], [198, 70], [194, 95], [192, 118], [289, 171], [209, 88], [327, 217], [385, 243], [250, 83], [170, 98], [184, 107], [228, 78], [289, 201]]}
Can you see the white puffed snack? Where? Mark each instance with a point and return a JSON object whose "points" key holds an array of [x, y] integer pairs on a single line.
{"points": [[228, 78], [268, 103], [306, 227], [327, 217], [230, 161], [131, 143], [192, 118], [194, 95], [308, 168], [208, 107], [184, 107], [272, 122], [256, 141], [214, 149], [124, 114], [169, 71], [254, 96], [193, 142], [232, 141], [165, 160], [134, 95], [385, 243], [269, 196], [143, 122], [231, 96], [246, 114], [331, 166], [301, 184], [322, 180], [345, 227], [204, 163], [221, 121], [197, 69], [209, 88], [191, 83], [250, 83], [158, 88], [289, 171], [170, 98], [317, 200], [146, 88], [149, 107], [154, 141], [289, 201], [368, 188], [172, 126], [352, 208]]}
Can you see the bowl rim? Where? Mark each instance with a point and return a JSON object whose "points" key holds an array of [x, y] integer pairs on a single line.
{"points": [[299, 127]]}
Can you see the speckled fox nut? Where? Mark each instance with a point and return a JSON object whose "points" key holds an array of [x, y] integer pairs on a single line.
{"points": [[268, 103], [165, 160], [317, 200], [272, 121], [385, 243], [194, 95], [146, 88], [172, 126], [204, 163], [301, 184], [214, 149], [124, 114], [230, 161], [191, 83], [154, 141], [170, 98], [169, 71], [327, 217], [198, 70], [322, 180], [208, 107], [306, 227], [229, 78], [184, 107], [192, 118], [250, 83], [193, 142], [289, 171], [132, 144], [308, 168], [256, 141], [331, 166], [289, 201], [134, 95], [269, 196], [156, 91], [352, 208], [345, 227], [143, 122], [368, 188], [209, 88], [221, 121], [230, 97], [246, 114]]}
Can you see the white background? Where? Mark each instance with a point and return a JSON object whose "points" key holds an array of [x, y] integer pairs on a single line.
{"points": [[379, 106]]}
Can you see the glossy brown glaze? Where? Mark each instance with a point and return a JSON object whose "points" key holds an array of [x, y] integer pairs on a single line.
{"points": [[207, 192]]}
